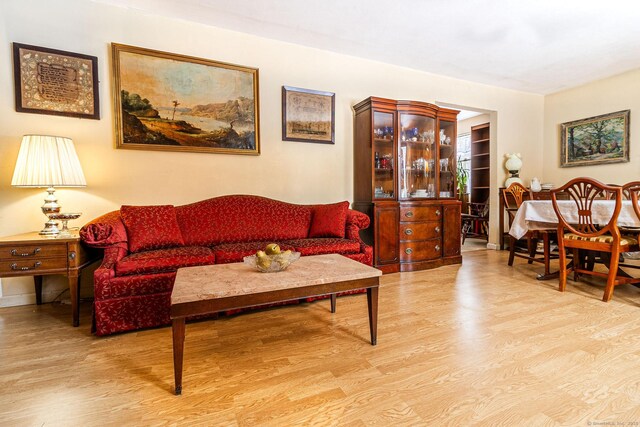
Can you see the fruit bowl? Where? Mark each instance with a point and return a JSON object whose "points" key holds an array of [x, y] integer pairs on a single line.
{"points": [[272, 263]]}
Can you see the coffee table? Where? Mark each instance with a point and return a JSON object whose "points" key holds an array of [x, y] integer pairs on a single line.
{"points": [[213, 288]]}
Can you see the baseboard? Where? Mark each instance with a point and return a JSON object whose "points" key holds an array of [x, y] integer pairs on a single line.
{"points": [[29, 299], [493, 246]]}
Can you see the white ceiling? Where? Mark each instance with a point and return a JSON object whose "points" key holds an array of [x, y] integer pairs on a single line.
{"points": [[540, 46]]}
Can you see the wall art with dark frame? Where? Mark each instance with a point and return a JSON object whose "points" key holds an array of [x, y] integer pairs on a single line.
{"points": [[595, 140], [308, 115], [51, 81], [166, 101]]}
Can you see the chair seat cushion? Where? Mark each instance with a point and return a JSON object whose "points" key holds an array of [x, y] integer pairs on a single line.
{"points": [[234, 252], [321, 246], [164, 260], [605, 238]]}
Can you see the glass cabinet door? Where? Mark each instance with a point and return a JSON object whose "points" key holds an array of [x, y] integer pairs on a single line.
{"points": [[383, 155], [416, 156], [447, 159]]}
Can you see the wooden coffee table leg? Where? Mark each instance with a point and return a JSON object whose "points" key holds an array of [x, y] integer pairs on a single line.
{"points": [[177, 326], [333, 303], [372, 302]]}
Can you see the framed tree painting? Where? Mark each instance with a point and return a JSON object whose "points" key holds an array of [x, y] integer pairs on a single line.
{"points": [[308, 115], [50, 81], [166, 101], [596, 140]]}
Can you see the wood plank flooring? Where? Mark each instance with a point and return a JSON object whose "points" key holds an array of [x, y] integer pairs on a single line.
{"points": [[477, 344]]}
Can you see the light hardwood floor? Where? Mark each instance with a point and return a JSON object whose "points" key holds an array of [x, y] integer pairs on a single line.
{"points": [[477, 344]]}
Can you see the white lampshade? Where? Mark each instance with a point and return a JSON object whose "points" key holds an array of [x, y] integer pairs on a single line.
{"points": [[47, 161]]}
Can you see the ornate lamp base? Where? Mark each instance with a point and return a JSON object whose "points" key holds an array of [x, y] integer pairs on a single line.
{"points": [[50, 207]]}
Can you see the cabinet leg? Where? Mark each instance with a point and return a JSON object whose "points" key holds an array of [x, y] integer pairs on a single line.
{"points": [[74, 289], [37, 281], [333, 303]]}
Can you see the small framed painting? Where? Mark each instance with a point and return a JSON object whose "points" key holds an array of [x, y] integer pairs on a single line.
{"points": [[308, 115], [50, 81], [596, 140], [171, 102]]}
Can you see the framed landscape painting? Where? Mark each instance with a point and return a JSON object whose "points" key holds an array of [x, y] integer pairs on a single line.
{"points": [[596, 140], [308, 115], [166, 101]]}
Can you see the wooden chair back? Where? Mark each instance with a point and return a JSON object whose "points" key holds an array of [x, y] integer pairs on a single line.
{"points": [[517, 193], [584, 191], [632, 190]]}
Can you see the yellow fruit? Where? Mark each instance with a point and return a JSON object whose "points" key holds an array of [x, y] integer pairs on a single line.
{"points": [[263, 262], [272, 249], [260, 254], [287, 253]]}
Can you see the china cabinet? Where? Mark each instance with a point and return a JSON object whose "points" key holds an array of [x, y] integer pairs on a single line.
{"points": [[404, 179]]}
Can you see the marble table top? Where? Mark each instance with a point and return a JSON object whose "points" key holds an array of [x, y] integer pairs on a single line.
{"points": [[227, 280]]}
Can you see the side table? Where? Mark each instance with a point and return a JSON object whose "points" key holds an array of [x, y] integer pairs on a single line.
{"points": [[31, 254]]}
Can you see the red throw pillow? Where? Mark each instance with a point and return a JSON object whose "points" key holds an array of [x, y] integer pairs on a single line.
{"points": [[151, 227], [329, 220]]}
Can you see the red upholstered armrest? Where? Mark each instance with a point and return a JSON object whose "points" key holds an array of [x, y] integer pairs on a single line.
{"points": [[356, 221], [105, 231]]}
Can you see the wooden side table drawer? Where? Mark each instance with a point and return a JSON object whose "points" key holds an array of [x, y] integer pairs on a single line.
{"points": [[420, 213], [32, 266], [23, 252], [420, 230]]}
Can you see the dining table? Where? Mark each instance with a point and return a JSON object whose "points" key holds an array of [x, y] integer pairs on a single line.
{"points": [[540, 215]]}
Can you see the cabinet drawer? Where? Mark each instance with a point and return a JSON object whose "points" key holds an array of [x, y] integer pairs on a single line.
{"points": [[420, 230], [27, 252], [420, 213], [420, 251], [33, 265]]}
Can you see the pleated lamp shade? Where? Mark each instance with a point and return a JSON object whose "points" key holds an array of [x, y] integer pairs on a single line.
{"points": [[47, 161]]}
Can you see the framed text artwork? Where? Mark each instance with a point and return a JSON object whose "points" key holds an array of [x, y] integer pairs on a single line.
{"points": [[50, 81], [166, 101], [596, 140], [308, 115]]}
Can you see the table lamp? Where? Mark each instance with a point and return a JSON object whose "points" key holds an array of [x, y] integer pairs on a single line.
{"points": [[48, 161]]}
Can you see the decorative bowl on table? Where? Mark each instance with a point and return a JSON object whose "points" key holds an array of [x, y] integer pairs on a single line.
{"points": [[272, 263]]}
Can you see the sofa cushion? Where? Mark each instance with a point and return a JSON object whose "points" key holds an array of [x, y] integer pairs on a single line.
{"points": [[234, 252], [164, 260], [329, 220], [231, 219], [321, 246], [151, 227]]}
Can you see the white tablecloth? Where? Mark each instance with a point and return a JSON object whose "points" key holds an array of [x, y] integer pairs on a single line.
{"points": [[539, 215]]}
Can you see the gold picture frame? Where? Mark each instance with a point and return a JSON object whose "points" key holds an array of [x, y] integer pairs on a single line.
{"points": [[171, 102], [595, 140], [308, 115]]}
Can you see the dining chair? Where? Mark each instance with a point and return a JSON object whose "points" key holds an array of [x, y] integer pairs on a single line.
{"points": [[476, 222], [589, 236], [514, 196]]}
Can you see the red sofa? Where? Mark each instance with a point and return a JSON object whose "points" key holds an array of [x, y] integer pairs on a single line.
{"points": [[145, 245]]}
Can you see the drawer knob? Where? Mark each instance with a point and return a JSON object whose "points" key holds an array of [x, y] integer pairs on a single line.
{"points": [[438, 212], [437, 229], [437, 248], [14, 252], [408, 251], [408, 231], [409, 214], [72, 255], [36, 264]]}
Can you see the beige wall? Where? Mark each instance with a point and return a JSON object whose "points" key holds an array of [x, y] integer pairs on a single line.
{"points": [[464, 126], [616, 93], [291, 171]]}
